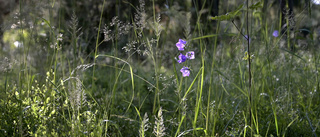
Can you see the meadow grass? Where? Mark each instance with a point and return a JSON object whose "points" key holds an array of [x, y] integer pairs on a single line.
{"points": [[64, 76]]}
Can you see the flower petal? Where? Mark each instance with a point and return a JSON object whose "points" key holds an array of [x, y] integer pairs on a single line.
{"points": [[182, 41], [185, 71], [180, 46], [190, 55], [246, 36], [275, 33], [182, 58]]}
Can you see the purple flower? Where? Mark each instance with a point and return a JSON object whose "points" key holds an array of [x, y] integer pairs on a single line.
{"points": [[181, 44], [190, 55], [185, 71], [182, 58], [246, 36], [182, 41], [275, 33]]}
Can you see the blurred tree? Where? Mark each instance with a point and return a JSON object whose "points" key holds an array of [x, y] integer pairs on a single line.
{"points": [[208, 8], [6, 6]]}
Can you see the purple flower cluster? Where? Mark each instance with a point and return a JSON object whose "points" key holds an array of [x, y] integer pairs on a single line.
{"points": [[182, 58]]}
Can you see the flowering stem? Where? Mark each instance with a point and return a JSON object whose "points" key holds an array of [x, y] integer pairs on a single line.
{"points": [[201, 81], [239, 30], [249, 57], [97, 45], [211, 82], [156, 62], [249, 64]]}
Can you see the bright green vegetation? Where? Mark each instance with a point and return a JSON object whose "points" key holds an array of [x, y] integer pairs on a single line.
{"points": [[86, 70]]}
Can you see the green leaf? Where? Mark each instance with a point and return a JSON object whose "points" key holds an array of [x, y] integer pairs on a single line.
{"points": [[256, 6], [229, 15], [292, 53]]}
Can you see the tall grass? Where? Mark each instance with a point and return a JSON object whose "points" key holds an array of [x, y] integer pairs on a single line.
{"points": [[71, 69]]}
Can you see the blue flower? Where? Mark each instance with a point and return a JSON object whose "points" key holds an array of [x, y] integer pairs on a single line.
{"points": [[182, 58], [246, 36], [185, 71], [181, 44], [275, 33], [182, 41], [190, 55]]}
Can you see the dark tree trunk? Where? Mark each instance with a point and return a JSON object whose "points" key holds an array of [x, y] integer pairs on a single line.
{"points": [[215, 10], [212, 7], [286, 8], [6, 6], [264, 12]]}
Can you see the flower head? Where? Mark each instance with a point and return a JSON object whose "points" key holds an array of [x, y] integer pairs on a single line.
{"points": [[182, 58], [185, 71], [275, 33], [190, 55], [246, 36], [181, 44]]}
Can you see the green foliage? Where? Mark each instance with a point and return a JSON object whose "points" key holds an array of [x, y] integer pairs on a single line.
{"points": [[256, 6], [229, 15]]}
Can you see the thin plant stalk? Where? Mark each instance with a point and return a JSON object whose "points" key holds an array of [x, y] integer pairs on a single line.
{"points": [[249, 64], [21, 75], [97, 44], [199, 94], [155, 61], [211, 79]]}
